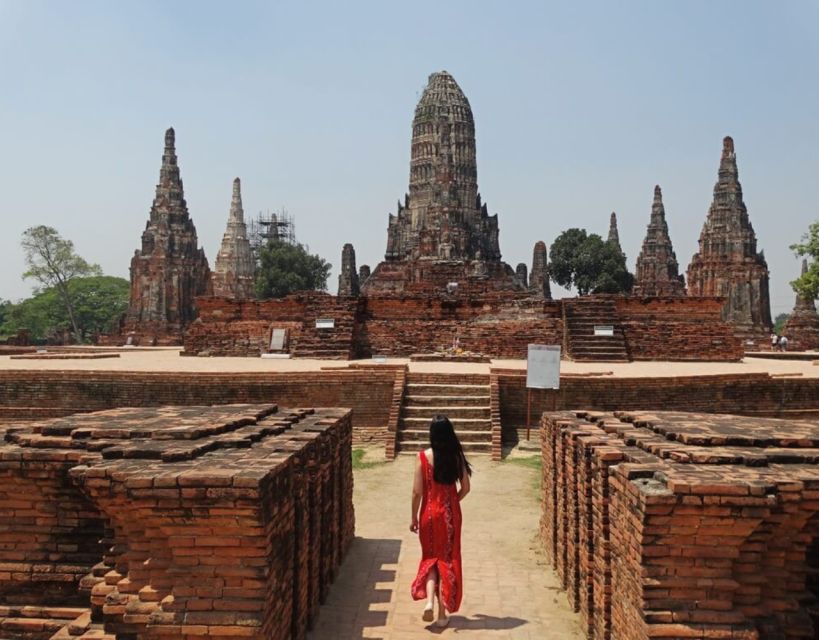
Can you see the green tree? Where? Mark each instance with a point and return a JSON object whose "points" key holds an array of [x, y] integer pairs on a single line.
{"points": [[780, 321], [589, 264], [52, 261], [98, 301], [285, 268], [807, 285]]}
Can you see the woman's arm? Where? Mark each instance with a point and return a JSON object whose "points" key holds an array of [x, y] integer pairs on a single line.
{"points": [[417, 494], [464, 484]]}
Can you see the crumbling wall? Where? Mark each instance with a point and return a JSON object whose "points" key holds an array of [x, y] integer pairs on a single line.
{"points": [[677, 525]]}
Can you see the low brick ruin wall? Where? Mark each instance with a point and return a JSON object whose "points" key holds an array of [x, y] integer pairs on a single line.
{"points": [[677, 329], [27, 394], [684, 525], [213, 522], [756, 394]]}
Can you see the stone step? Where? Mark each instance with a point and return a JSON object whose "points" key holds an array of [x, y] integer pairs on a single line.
{"points": [[456, 400], [412, 447], [422, 435], [458, 423], [450, 411], [429, 389], [600, 348]]}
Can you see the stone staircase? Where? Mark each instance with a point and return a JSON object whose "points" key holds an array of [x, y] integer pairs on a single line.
{"points": [[580, 317], [464, 399]]}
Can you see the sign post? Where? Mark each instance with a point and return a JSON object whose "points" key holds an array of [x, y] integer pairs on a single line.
{"points": [[542, 372]]}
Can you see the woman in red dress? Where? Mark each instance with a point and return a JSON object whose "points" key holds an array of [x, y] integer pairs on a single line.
{"points": [[441, 482]]}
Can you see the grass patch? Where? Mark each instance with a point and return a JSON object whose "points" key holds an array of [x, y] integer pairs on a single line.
{"points": [[359, 462], [530, 462]]}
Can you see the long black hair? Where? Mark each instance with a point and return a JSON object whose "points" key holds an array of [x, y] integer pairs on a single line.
{"points": [[448, 459]]}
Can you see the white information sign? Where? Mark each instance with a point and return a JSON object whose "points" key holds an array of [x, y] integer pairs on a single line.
{"points": [[603, 330], [325, 323], [543, 366]]}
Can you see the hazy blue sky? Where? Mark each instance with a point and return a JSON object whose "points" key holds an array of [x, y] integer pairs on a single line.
{"points": [[580, 109]]}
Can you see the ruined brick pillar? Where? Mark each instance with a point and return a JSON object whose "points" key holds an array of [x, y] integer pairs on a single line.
{"points": [[348, 278], [657, 271], [363, 274], [614, 234], [802, 328], [539, 277], [169, 270], [522, 272], [727, 263], [235, 268]]}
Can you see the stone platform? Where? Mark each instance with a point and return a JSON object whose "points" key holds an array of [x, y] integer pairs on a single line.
{"points": [[172, 522], [683, 525]]}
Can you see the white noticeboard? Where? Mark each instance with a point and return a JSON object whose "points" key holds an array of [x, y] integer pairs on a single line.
{"points": [[543, 366], [325, 323]]}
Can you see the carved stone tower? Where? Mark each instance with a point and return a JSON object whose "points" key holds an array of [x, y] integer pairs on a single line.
{"points": [[614, 234], [802, 328], [348, 278], [169, 269], [522, 272], [657, 271], [728, 263], [442, 232], [235, 267]]}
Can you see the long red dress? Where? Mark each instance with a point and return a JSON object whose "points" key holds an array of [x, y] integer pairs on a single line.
{"points": [[439, 530]]}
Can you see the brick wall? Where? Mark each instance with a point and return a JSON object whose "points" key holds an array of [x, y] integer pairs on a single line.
{"points": [[745, 394], [224, 522], [683, 525], [677, 329], [38, 394]]}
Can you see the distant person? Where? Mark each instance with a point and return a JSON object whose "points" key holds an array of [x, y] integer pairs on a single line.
{"points": [[441, 482], [783, 343], [774, 341]]}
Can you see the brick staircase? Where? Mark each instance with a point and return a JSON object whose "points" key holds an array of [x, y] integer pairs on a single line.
{"points": [[464, 399], [580, 317]]}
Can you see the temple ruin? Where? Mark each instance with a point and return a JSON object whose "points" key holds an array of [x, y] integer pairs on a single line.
{"points": [[235, 266], [683, 525], [442, 232], [539, 276], [348, 285], [657, 272], [169, 270], [173, 522], [728, 264], [802, 327]]}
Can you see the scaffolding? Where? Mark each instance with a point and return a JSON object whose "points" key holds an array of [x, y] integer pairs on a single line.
{"points": [[271, 227]]}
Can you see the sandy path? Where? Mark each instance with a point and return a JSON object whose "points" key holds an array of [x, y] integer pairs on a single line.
{"points": [[509, 592]]}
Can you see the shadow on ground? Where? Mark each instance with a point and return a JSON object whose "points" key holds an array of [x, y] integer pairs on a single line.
{"points": [[363, 569]]}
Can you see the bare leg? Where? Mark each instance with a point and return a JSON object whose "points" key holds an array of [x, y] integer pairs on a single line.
{"points": [[432, 586]]}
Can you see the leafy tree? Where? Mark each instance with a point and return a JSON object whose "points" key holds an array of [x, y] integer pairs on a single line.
{"points": [[780, 321], [98, 303], [52, 262], [588, 263], [807, 285], [285, 268]]}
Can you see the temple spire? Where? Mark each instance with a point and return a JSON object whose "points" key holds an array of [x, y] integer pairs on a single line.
{"points": [[657, 271], [614, 234], [233, 273], [237, 214], [539, 276]]}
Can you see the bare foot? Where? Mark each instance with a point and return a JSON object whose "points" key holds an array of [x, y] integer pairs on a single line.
{"points": [[427, 616]]}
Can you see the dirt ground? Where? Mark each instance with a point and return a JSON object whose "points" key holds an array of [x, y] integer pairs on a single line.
{"points": [[509, 590], [168, 359]]}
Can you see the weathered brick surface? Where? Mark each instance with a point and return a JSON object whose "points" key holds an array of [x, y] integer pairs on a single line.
{"points": [[680, 525], [215, 522]]}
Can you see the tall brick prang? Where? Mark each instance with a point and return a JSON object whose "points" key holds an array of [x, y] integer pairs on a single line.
{"points": [[657, 268], [614, 233], [443, 231], [802, 328], [522, 272], [348, 278], [727, 263], [235, 267], [539, 277], [169, 269]]}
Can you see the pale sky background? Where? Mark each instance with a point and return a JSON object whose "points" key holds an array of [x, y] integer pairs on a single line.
{"points": [[580, 109]]}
